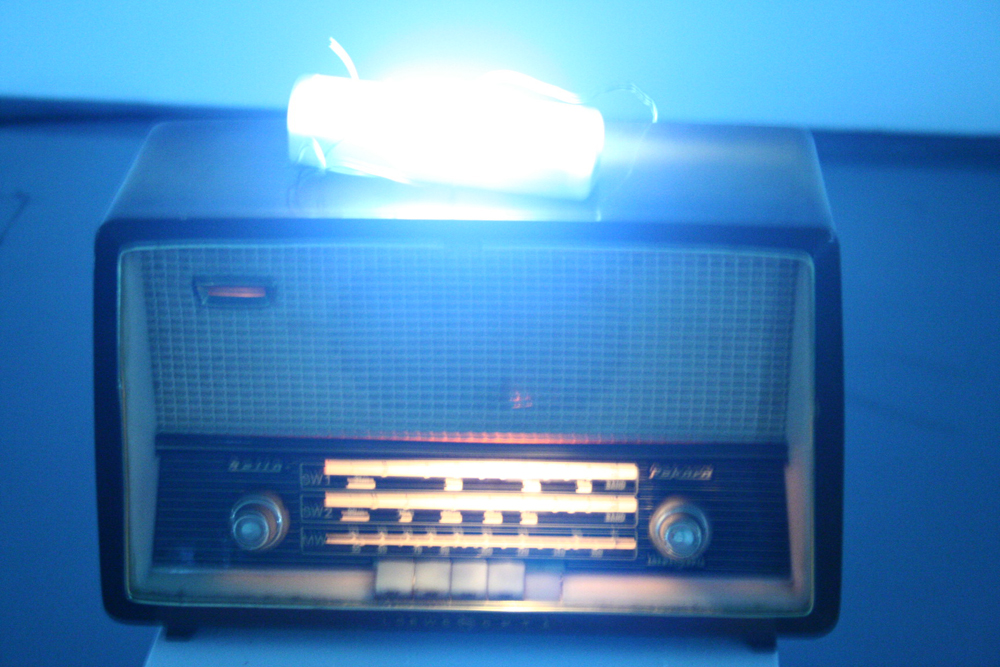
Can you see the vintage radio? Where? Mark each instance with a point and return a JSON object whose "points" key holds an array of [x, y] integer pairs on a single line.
{"points": [[340, 398]]}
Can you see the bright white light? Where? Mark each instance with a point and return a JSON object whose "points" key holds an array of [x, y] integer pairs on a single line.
{"points": [[486, 133], [481, 541], [504, 469], [481, 502]]}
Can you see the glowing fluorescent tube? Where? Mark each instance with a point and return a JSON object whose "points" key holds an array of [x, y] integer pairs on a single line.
{"points": [[482, 134]]}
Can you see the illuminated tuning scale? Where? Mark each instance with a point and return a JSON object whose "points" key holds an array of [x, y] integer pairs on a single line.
{"points": [[503, 469], [437, 507], [482, 541]]}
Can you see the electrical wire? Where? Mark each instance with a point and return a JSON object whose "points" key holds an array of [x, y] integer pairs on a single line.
{"points": [[344, 58]]}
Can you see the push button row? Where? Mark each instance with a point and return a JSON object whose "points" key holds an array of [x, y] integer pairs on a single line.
{"points": [[443, 578]]}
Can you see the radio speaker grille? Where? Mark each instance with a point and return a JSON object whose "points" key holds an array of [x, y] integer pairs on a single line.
{"points": [[402, 341]]}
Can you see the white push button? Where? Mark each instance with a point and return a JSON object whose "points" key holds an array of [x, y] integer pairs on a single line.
{"points": [[432, 578], [543, 584], [505, 580], [468, 579], [394, 578]]}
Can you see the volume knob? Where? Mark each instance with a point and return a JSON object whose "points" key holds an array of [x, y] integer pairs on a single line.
{"points": [[258, 521], [679, 530]]}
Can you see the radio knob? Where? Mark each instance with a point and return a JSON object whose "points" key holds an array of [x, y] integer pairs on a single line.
{"points": [[679, 530], [258, 521]]}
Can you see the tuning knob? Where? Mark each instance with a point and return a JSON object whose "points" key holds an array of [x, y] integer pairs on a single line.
{"points": [[258, 521], [679, 530]]}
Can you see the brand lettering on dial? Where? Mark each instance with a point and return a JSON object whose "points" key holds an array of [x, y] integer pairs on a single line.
{"points": [[656, 559], [254, 464], [694, 473]]}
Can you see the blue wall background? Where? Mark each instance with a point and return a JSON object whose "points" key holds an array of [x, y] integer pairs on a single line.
{"points": [[909, 65], [918, 216]]}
